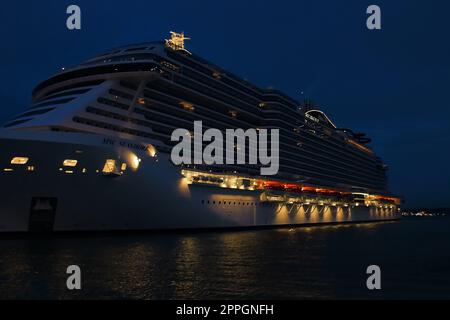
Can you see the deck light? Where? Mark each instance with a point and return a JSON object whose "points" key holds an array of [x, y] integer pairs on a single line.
{"points": [[19, 160], [70, 163]]}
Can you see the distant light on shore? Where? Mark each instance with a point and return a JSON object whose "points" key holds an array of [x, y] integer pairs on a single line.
{"points": [[422, 213]]}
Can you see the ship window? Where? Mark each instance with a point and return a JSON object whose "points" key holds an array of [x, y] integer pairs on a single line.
{"points": [[123, 167], [79, 73], [70, 163], [110, 166], [113, 103], [51, 103], [33, 113], [19, 160], [17, 122], [76, 85], [65, 93], [135, 49]]}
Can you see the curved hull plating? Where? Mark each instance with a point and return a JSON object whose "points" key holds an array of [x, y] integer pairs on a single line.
{"points": [[150, 193]]}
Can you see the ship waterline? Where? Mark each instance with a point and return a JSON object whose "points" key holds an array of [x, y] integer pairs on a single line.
{"points": [[93, 152]]}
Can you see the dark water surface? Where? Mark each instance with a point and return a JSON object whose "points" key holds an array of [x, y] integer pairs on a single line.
{"points": [[317, 262]]}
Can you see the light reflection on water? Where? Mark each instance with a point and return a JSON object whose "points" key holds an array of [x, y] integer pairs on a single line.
{"points": [[310, 262]]}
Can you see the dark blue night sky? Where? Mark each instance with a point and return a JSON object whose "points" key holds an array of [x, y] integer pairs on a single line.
{"points": [[392, 83]]}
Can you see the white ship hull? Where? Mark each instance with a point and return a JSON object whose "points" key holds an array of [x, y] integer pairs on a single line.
{"points": [[155, 196]]}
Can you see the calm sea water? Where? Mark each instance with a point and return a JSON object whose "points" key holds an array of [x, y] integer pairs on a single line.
{"points": [[317, 262]]}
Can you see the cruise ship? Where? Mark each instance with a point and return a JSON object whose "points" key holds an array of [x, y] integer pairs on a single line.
{"points": [[93, 152]]}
